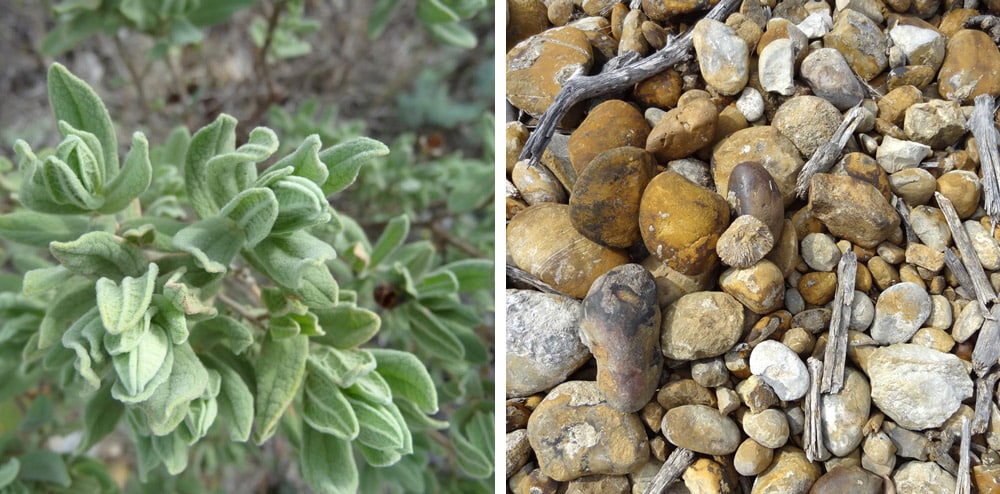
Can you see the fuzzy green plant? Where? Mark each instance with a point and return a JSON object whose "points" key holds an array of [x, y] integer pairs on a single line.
{"points": [[191, 291]]}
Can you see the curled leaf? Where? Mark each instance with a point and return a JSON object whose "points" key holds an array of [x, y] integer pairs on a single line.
{"points": [[254, 211], [143, 369], [132, 180], [168, 405], [122, 307], [100, 254], [76, 103], [345, 159], [279, 371], [213, 242]]}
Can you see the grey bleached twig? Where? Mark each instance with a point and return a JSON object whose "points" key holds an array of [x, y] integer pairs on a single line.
{"points": [[983, 129], [829, 152], [980, 283], [964, 280], [987, 350], [676, 463], [904, 218], [812, 437], [963, 484], [521, 276], [836, 346], [582, 87], [984, 400]]}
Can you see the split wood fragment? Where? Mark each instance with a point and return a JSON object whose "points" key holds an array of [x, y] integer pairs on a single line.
{"points": [[671, 470], [984, 400], [812, 437], [980, 283], [829, 152], [525, 278], [964, 480], [984, 130], [836, 346], [987, 350]]}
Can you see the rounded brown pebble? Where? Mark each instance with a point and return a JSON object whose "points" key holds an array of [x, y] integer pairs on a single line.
{"points": [[865, 168], [765, 145], [537, 184], [609, 125], [542, 241], [683, 130], [701, 429], [818, 287], [684, 392], [526, 18], [538, 66], [790, 471], [681, 222], [752, 458], [753, 191], [760, 288], [963, 189], [852, 209], [604, 206], [971, 67], [661, 90], [683, 334], [844, 479]]}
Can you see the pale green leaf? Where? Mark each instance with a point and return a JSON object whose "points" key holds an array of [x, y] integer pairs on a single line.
{"points": [[123, 306], [78, 338], [38, 230], [100, 254], [346, 326], [392, 237], [472, 435], [279, 371], [417, 257], [285, 259], [230, 173], [213, 242], [210, 141], [433, 335], [472, 274], [128, 340], [380, 16], [82, 151], [75, 102], [318, 289], [254, 211], [345, 159], [139, 371], [132, 180], [301, 204], [71, 303], [42, 280], [453, 33], [305, 161], [379, 457], [235, 400], [372, 387], [8, 472], [44, 466], [173, 451], [65, 187], [327, 463], [407, 377], [433, 11], [100, 417], [326, 409], [416, 419], [168, 405], [343, 367], [377, 427], [440, 283], [229, 332]]}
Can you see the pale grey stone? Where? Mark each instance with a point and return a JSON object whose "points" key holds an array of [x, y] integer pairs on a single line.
{"points": [[862, 312], [930, 226], [543, 342], [776, 67], [723, 57], [750, 104], [769, 427], [820, 252], [921, 46], [924, 477], [936, 123], [899, 312], [941, 315], [845, 413], [816, 24], [969, 320], [895, 154], [984, 244], [916, 386], [781, 369], [830, 77]]}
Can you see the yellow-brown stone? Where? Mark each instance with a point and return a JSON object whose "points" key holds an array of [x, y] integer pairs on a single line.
{"points": [[538, 66], [683, 130], [609, 125], [604, 206], [760, 288], [818, 287], [525, 18], [962, 188], [660, 91], [971, 67], [765, 145]]}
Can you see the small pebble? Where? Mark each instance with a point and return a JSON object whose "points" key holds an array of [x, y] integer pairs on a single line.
{"points": [[751, 458], [899, 312], [984, 244], [701, 429], [790, 471], [925, 477], [543, 345], [769, 427], [722, 56], [781, 369], [683, 336], [862, 312], [896, 154], [820, 252], [750, 104], [830, 78]]}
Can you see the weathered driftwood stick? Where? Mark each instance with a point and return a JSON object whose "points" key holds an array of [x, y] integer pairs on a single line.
{"points": [[987, 350], [980, 283], [904, 218], [582, 87], [984, 400], [965, 288], [836, 346], [964, 480], [812, 437], [525, 278], [829, 152], [983, 129], [676, 463]]}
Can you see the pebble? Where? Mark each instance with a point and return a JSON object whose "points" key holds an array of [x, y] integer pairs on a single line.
{"points": [[790, 471], [705, 475], [750, 104], [852, 209], [879, 453], [701, 429], [808, 121], [865, 168], [914, 185], [756, 394], [924, 477], [892, 253], [684, 322], [831, 78], [899, 312], [908, 444], [936, 123], [984, 244], [934, 338], [525, 18], [611, 124], [862, 312], [794, 301], [745, 242], [751, 458], [604, 206], [543, 345], [683, 130], [662, 10], [781, 369], [898, 154], [681, 222], [902, 373], [846, 413], [693, 169], [941, 313], [599, 484], [986, 477], [621, 326], [818, 287], [816, 25], [931, 228], [769, 427], [574, 433], [921, 45], [722, 55], [537, 184], [753, 192], [659, 91], [762, 144], [728, 400], [776, 67], [843, 479], [919, 76], [518, 450], [861, 41], [799, 341], [820, 252], [971, 67], [962, 188], [710, 373], [760, 288], [969, 320], [538, 66], [684, 392]]}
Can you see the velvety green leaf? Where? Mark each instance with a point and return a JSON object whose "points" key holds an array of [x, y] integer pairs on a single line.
{"points": [[379, 458], [75, 102], [285, 259], [466, 9], [173, 451], [377, 427], [38, 230], [100, 417], [318, 288], [305, 161], [230, 173], [75, 300], [418, 257], [128, 340], [65, 36], [294, 324], [132, 180], [8, 472], [210, 141], [78, 338], [173, 150], [122, 307], [168, 405], [326, 409], [372, 387], [453, 33], [100, 254], [213, 242], [431, 334], [44, 466], [42, 280], [431, 11], [407, 377], [65, 187], [229, 332], [91, 475], [380, 16], [392, 237], [216, 12], [301, 204], [416, 419], [202, 411], [343, 367], [139, 371], [472, 435], [279, 370], [186, 299], [235, 400], [327, 463], [438, 284], [254, 211], [346, 326], [82, 151], [472, 274], [146, 456], [345, 159]]}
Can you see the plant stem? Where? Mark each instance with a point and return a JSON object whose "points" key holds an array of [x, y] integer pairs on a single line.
{"points": [[133, 72]]}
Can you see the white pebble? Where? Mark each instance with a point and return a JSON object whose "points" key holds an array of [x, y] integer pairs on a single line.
{"points": [[750, 104]]}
